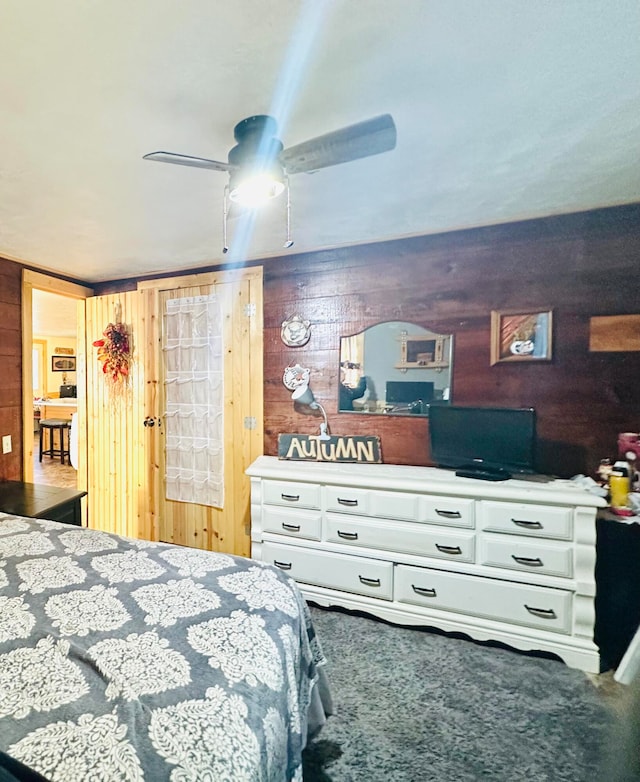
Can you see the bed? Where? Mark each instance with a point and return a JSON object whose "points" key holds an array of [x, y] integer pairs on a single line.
{"points": [[124, 660]]}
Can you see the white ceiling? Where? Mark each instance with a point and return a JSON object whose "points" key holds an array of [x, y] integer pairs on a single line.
{"points": [[505, 109], [53, 315]]}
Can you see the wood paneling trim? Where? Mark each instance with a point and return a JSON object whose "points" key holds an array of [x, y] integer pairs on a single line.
{"points": [[614, 333], [45, 282], [574, 265]]}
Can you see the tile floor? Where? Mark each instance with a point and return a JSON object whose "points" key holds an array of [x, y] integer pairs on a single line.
{"points": [[51, 473]]}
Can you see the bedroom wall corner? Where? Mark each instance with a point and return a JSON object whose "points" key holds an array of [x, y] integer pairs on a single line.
{"points": [[11, 375]]}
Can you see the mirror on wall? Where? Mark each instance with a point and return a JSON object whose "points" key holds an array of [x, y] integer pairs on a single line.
{"points": [[394, 368]]}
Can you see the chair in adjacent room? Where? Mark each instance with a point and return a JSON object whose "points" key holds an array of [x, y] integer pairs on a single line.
{"points": [[48, 427]]}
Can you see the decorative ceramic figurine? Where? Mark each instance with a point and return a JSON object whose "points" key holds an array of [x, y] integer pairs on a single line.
{"points": [[295, 331], [296, 376]]}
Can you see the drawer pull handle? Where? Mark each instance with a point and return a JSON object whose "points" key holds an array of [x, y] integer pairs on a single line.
{"points": [[424, 591], [348, 535], [449, 549], [349, 503], [370, 582], [449, 514], [543, 613], [291, 527], [290, 497], [282, 565], [527, 524], [529, 561]]}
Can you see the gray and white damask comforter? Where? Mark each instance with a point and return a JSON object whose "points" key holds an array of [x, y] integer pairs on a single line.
{"points": [[128, 660]]}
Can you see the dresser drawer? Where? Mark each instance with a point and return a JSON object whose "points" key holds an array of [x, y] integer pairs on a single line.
{"points": [[543, 521], [299, 495], [359, 575], [537, 556], [418, 539], [292, 522], [447, 510], [504, 601], [367, 502], [343, 499]]}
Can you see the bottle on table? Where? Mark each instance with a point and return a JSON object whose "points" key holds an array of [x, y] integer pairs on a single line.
{"points": [[619, 485]]}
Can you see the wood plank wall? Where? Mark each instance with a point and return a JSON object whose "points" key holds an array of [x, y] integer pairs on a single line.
{"points": [[578, 265], [11, 372]]}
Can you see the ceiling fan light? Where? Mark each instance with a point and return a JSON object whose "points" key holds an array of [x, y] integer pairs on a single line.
{"points": [[255, 190]]}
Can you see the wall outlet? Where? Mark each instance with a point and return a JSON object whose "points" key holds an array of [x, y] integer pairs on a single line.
{"points": [[6, 443]]}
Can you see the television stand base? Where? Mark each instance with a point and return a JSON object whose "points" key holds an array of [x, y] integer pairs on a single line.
{"points": [[483, 473]]}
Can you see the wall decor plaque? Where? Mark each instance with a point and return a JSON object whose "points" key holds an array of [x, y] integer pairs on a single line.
{"points": [[295, 376], [614, 333], [525, 335], [63, 363], [295, 331], [340, 448]]}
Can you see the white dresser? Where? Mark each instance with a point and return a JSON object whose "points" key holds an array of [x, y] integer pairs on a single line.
{"points": [[510, 561]]}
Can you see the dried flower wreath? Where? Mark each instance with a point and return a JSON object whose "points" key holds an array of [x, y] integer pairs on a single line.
{"points": [[114, 352]]}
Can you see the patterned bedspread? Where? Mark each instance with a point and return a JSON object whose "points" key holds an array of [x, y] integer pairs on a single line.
{"points": [[128, 660]]}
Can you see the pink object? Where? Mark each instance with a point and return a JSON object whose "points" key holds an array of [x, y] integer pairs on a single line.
{"points": [[629, 441], [622, 511]]}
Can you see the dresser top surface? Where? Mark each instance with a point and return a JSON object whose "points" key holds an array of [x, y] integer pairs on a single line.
{"points": [[426, 480]]}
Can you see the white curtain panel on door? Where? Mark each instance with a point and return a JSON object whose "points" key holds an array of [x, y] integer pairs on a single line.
{"points": [[193, 353]]}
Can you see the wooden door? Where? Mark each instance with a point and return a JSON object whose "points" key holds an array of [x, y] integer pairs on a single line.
{"points": [[225, 529], [125, 458], [122, 462]]}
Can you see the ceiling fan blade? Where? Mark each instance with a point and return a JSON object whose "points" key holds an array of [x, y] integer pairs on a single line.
{"points": [[370, 137], [189, 160]]}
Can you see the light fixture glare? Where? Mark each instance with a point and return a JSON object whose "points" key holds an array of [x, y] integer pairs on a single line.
{"points": [[256, 190]]}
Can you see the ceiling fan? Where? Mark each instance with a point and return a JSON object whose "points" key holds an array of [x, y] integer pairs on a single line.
{"points": [[259, 166]]}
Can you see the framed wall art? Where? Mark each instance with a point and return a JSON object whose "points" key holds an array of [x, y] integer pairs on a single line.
{"points": [[63, 363], [521, 336]]}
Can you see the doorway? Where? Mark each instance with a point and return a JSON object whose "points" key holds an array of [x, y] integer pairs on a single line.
{"points": [[54, 322], [52, 357]]}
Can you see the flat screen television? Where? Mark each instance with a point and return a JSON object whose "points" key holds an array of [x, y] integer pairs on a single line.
{"points": [[490, 443]]}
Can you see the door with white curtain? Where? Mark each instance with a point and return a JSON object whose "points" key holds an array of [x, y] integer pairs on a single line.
{"points": [[129, 432]]}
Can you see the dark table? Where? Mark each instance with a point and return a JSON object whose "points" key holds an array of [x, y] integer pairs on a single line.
{"points": [[41, 502], [617, 588]]}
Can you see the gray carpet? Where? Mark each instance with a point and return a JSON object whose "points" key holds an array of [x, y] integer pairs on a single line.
{"points": [[416, 706]]}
